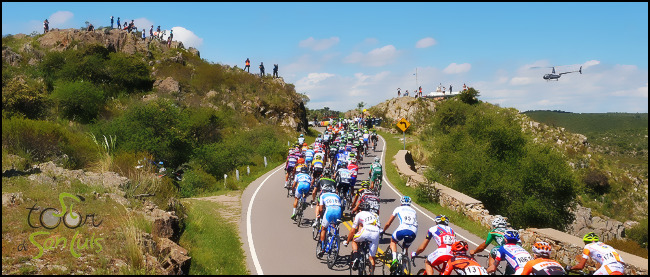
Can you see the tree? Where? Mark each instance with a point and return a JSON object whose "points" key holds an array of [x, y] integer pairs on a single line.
{"points": [[469, 96], [304, 97], [361, 105]]}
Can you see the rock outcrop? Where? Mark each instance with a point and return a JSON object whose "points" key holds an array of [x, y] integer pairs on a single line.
{"points": [[403, 107], [167, 85], [10, 57], [606, 228]]}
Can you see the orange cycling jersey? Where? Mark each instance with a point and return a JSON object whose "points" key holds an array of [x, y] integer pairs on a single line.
{"points": [[541, 266], [464, 265]]}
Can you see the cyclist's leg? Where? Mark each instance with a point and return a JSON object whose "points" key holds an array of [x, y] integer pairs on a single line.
{"points": [[439, 256]]}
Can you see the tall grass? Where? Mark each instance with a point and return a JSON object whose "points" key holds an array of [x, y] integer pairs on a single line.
{"points": [[104, 152]]}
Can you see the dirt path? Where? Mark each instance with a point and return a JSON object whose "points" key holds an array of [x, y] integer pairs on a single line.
{"points": [[229, 205]]}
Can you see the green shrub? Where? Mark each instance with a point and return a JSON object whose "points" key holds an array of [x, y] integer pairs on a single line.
{"points": [[44, 140], [19, 98], [486, 155], [128, 74], [469, 96], [639, 233], [196, 181], [597, 181], [79, 100]]}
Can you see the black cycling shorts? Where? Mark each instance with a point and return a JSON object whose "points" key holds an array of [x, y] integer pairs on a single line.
{"points": [[343, 188]]}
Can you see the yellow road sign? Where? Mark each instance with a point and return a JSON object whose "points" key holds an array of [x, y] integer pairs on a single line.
{"points": [[403, 124]]}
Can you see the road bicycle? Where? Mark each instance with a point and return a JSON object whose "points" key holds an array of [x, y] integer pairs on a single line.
{"points": [[487, 264], [333, 243], [302, 205], [377, 186], [439, 268], [364, 264], [289, 185], [403, 262]]}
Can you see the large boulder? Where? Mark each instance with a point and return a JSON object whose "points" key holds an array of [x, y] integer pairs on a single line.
{"points": [[194, 51], [167, 85], [176, 261], [10, 57]]}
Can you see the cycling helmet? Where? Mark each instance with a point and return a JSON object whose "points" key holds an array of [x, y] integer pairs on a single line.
{"points": [[442, 219], [328, 188], [590, 237], [353, 161], [352, 155], [311, 147], [301, 161], [405, 200], [511, 236], [365, 184], [542, 248], [304, 169], [291, 152], [499, 222], [301, 135], [319, 135], [304, 144], [459, 247], [377, 159], [344, 164]]}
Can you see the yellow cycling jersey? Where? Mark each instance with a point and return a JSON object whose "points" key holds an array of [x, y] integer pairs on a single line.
{"points": [[317, 161]]}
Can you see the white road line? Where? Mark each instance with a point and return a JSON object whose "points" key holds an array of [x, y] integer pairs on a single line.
{"points": [[249, 232], [383, 154]]}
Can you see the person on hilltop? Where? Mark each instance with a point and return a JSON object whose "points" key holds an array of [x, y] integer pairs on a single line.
{"points": [[464, 87], [399, 93], [420, 91], [143, 34], [261, 69], [450, 89], [111, 22], [248, 65], [90, 27], [119, 26], [151, 33], [46, 26], [275, 71]]}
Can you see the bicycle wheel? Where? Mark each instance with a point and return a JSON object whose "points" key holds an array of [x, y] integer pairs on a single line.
{"points": [[318, 247], [405, 266], [315, 231], [299, 212], [333, 254], [385, 269]]}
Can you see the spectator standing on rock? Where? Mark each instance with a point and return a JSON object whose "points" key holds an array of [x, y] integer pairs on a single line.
{"points": [[111, 22], [450, 89], [119, 26], [399, 93], [261, 69], [464, 87], [420, 91], [151, 33], [143, 34], [248, 65], [275, 71], [46, 26]]}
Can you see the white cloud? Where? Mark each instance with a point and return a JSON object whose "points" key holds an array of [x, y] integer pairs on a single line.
{"points": [[143, 23], [639, 92], [311, 81], [502, 80], [320, 44], [549, 103], [186, 36], [60, 17], [370, 41], [328, 57], [518, 81], [425, 42], [590, 63], [376, 57], [454, 68], [298, 68]]}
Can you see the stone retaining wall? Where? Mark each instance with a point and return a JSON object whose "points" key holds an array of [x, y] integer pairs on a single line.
{"points": [[567, 248]]}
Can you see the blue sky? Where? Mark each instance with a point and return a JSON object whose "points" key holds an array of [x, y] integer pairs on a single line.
{"points": [[344, 53]]}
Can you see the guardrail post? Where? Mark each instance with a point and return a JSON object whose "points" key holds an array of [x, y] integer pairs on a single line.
{"points": [[224, 180], [248, 170], [264, 161], [237, 174]]}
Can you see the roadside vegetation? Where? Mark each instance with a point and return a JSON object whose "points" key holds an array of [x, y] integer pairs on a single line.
{"points": [[89, 108]]}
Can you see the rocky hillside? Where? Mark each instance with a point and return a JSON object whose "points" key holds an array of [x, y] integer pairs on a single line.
{"points": [[415, 110]]}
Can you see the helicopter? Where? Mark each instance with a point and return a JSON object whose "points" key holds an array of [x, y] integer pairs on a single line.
{"points": [[554, 76]]}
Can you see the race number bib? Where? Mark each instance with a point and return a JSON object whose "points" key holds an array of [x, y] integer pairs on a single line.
{"points": [[332, 201], [475, 270], [447, 239]]}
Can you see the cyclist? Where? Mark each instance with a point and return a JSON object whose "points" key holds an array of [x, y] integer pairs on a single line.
{"points": [[292, 160], [317, 165], [324, 180], [354, 169], [462, 263], [366, 138], [407, 229], [610, 261], [309, 156], [444, 237], [304, 181], [375, 173], [364, 195], [364, 186], [542, 265], [515, 255], [301, 139], [374, 138], [330, 204], [369, 221], [495, 236], [343, 176]]}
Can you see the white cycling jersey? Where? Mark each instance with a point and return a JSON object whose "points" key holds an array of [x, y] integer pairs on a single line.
{"points": [[408, 219], [302, 177], [301, 141], [366, 219]]}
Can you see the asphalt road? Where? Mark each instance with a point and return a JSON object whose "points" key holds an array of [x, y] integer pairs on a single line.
{"points": [[274, 244]]}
